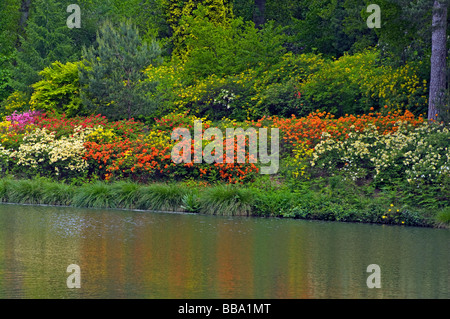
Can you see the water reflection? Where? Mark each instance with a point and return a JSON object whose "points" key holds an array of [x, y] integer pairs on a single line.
{"points": [[126, 254]]}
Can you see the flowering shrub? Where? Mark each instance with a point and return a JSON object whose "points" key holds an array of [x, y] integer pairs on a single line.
{"points": [[20, 120], [416, 154], [371, 146], [102, 135], [298, 162], [309, 129], [42, 152], [13, 128]]}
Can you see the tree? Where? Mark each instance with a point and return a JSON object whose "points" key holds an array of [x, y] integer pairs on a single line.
{"points": [[5, 75], [218, 12], [227, 49], [47, 39], [259, 13], [438, 58], [9, 20], [111, 77]]}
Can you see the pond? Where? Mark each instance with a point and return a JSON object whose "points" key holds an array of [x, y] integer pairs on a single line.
{"points": [[135, 254]]}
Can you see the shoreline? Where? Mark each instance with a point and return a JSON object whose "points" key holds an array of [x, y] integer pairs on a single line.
{"points": [[219, 200], [200, 214]]}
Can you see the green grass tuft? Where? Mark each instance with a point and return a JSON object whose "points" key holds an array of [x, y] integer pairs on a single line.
{"points": [[127, 194], [27, 191], [5, 188], [443, 216], [162, 197], [95, 195], [57, 194], [226, 200]]}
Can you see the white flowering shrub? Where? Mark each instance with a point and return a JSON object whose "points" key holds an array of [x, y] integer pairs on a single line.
{"points": [[418, 155], [43, 152]]}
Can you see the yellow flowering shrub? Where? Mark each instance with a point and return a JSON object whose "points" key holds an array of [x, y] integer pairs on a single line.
{"points": [[11, 136], [102, 135], [5, 131], [298, 162], [158, 139]]}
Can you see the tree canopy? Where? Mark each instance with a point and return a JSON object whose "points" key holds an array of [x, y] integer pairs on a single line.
{"points": [[225, 39]]}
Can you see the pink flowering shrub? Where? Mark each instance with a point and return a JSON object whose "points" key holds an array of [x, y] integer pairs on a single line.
{"points": [[20, 120]]}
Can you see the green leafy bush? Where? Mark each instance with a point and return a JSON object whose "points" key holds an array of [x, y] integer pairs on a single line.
{"points": [[16, 102], [353, 84], [59, 90]]}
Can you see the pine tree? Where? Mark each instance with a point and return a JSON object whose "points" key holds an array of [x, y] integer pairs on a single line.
{"points": [[47, 39], [111, 77]]}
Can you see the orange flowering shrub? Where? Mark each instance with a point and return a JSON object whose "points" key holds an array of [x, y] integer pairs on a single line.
{"points": [[130, 149], [309, 129], [141, 161]]}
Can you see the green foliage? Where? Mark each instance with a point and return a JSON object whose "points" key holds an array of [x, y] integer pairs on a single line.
{"points": [[59, 90], [127, 194], [443, 216], [227, 49], [215, 97], [9, 31], [95, 195], [226, 201], [27, 191], [355, 83], [276, 90], [191, 203], [17, 101], [216, 11], [5, 77], [162, 197], [47, 39], [111, 74], [274, 203], [148, 16], [57, 193], [319, 28]]}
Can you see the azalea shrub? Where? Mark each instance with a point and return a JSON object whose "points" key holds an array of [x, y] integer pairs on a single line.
{"points": [[379, 148], [417, 154], [149, 156]]}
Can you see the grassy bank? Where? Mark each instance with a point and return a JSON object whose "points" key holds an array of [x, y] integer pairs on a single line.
{"points": [[229, 200]]}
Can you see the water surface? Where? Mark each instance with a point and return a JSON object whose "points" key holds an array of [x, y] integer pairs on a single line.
{"points": [[131, 254]]}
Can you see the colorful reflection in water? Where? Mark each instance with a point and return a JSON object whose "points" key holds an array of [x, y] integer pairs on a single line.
{"points": [[125, 254]]}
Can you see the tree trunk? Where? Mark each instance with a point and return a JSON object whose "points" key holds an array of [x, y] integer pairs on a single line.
{"points": [[259, 13], [24, 13], [438, 58]]}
